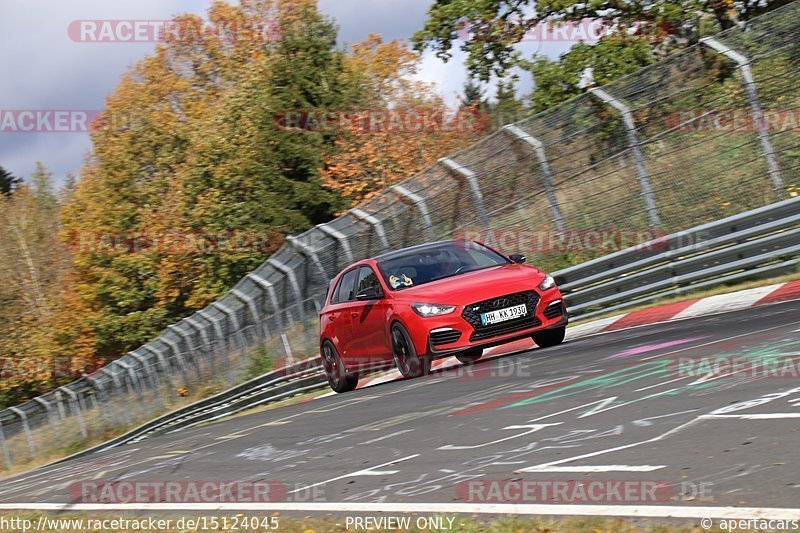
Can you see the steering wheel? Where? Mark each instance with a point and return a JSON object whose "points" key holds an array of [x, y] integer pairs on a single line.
{"points": [[459, 269]]}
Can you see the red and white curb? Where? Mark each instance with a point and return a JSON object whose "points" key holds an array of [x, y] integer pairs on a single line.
{"points": [[721, 303]]}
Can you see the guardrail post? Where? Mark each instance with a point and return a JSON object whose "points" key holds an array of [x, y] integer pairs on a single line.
{"points": [[362, 215], [547, 176], [421, 206], [76, 409], [636, 153], [477, 198], [6, 454], [341, 238], [25, 427], [750, 89]]}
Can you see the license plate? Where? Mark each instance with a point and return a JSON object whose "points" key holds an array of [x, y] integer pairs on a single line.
{"points": [[501, 315]]}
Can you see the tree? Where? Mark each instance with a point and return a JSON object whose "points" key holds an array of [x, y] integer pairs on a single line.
{"points": [[406, 128], [8, 182], [507, 108], [494, 27], [556, 81]]}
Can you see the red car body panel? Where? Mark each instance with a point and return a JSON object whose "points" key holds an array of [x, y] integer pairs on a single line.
{"points": [[360, 330]]}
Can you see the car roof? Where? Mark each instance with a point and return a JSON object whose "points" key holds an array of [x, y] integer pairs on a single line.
{"points": [[417, 248]]}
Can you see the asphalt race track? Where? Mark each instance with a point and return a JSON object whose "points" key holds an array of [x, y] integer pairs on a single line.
{"points": [[618, 406]]}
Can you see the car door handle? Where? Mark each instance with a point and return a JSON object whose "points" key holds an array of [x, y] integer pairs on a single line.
{"points": [[354, 315]]}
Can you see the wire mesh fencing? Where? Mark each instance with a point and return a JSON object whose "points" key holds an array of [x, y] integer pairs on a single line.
{"points": [[706, 133]]}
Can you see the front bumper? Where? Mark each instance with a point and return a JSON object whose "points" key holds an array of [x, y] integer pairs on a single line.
{"points": [[453, 333]]}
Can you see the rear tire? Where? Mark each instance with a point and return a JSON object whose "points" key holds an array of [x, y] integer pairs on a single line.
{"points": [[469, 357], [338, 378], [408, 363], [549, 337]]}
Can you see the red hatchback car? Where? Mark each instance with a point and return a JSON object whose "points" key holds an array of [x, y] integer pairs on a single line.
{"points": [[430, 301]]}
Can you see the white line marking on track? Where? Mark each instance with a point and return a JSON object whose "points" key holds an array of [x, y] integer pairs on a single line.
{"points": [[366, 472], [532, 428], [390, 435], [614, 449], [758, 416], [596, 468], [652, 511]]}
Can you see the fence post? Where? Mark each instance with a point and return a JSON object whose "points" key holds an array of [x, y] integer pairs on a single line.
{"points": [[207, 347], [547, 176], [49, 408], [421, 206], [636, 153], [250, 302], [146, 369], [309, 252], [289, 273], [25, 427], [234, 323], [341, 238], [362, 215], [750, 89], [6, 454], [189, 345], [477, 198], [206, 315], [115, 380], [178, 355], [76, 409]]}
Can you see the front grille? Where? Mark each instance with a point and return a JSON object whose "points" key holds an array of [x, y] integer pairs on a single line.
{"points": [[447, 336], [553, 310], [472, 314]]}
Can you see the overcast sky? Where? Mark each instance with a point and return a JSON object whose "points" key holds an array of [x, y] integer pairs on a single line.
{"points": [[44, 69]]}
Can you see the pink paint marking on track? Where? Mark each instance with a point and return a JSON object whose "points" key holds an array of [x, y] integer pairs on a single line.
{"points": [[651, 347]]}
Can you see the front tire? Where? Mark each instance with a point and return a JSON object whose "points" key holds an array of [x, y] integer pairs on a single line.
{"points": [[549, 337], [338, 378], [408, 363]]}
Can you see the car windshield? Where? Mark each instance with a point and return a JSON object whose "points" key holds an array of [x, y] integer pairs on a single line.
{"points": [[420, 266]]}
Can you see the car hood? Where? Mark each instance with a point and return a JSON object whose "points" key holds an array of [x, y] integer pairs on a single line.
{"points": [[475, 286]]}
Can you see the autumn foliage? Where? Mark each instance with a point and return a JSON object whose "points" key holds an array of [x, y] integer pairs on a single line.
{"points": [[188, 144]]}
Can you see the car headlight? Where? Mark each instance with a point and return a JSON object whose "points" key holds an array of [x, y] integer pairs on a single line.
{"points": [[427, 310], [547, 283]]}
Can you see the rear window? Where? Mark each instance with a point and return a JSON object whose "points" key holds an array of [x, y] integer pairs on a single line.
{"points": [[428, 264]]}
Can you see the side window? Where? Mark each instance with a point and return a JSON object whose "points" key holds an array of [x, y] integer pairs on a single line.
{"points": [[367, 278], [344, 291]]}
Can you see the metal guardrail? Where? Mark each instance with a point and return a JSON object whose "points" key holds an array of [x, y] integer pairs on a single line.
{"points": [[285, 382], [758, 243]]}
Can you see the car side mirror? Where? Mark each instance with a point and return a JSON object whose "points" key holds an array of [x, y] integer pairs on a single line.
{"points": [[370, 293], [517, 258]]}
